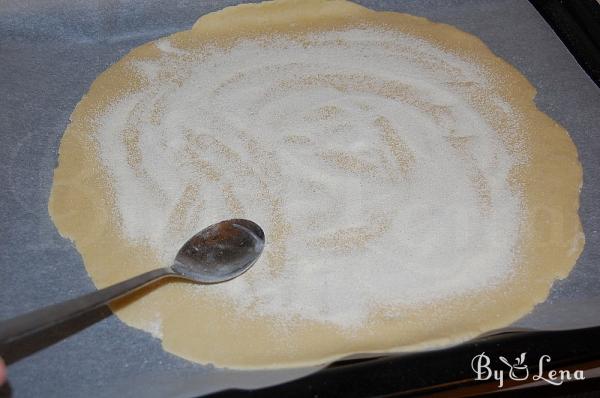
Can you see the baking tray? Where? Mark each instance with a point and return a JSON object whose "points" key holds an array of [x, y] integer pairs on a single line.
{"points": [[51, 51]]}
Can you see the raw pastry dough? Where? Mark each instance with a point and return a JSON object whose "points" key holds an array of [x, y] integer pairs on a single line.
{"points": [[205, 329]]}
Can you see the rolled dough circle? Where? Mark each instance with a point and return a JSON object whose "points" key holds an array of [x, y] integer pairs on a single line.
{"points": [[208, 329]]}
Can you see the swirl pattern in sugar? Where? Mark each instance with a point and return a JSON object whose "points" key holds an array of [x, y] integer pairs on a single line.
{"points": [[368, 156]]}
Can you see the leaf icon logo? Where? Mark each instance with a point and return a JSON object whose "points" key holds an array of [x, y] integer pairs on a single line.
{"points": [[519, 370]]}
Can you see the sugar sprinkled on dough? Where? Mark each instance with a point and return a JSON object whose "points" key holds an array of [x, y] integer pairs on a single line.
{"points": [[378, 182]]}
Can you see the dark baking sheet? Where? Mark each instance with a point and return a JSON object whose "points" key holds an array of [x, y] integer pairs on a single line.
{"points": [[51, 51]]}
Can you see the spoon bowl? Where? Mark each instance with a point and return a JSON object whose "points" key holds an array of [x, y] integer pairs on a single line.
{"points": [[220, 252]]}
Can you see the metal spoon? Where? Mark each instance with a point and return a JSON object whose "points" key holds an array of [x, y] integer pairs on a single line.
{"points": [[216, 254]]}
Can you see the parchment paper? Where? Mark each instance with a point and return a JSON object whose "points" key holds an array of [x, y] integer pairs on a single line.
{"points": [[51, 51]]}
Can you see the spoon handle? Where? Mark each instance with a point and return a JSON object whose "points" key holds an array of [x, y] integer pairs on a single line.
{"points": [[38, 320]]}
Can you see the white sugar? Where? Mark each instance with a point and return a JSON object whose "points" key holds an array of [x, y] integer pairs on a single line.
{"points": [[377, 181]]}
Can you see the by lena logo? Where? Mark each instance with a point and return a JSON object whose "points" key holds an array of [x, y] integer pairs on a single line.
{"points": [[519, 371]]}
